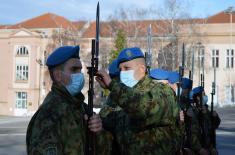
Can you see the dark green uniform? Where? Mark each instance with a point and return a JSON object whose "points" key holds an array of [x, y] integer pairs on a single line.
{"points": [[116, 121], [146, 116], [192, 127], [208, 126], [58, 127]]}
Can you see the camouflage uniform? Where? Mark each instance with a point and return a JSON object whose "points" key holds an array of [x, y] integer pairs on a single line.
{"points": [[58, 127], [116, 121], [195, 130], [192, 137], [208, 127], [147, 114]]}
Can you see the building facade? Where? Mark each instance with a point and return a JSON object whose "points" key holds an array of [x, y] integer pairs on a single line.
{"points": [[25, 82]]}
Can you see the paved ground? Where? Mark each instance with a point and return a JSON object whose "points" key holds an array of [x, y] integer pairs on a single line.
{"points": [[13, 131], [226, 131], [12, 135]]}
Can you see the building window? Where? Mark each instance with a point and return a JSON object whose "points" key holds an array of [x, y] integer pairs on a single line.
{"points": [[201, 56], [215, 58], [22, 72], [22, 51], [229, 58], [21, 100], [229, 90]]}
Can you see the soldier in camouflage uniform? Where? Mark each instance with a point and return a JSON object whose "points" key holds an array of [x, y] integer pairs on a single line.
{"points": [[192, 142], [114, 119], [149, 105], [192, 137], [59, 125], [171, 78], [204, 119]]}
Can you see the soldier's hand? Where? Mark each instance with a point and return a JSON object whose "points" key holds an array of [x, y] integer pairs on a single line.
{"points": [[95, 123], [181, 115], [203, 152], [103, 78]]}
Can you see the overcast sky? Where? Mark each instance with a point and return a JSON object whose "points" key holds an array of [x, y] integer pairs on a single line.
{"points": [[15, 11]]}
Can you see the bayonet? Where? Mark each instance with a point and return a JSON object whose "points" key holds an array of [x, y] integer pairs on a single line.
{"points": [[148, 53], [192, 65]]}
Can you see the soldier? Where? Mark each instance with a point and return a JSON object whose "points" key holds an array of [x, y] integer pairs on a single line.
{"points": [[148, 104], [59, 126], [114, 119], [171, 79], [192, 126], [204, 119], [190, 131]]}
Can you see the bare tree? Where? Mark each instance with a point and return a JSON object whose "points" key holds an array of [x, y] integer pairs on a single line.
{"points": [[176, 27], [129, 20], [61, 37]]}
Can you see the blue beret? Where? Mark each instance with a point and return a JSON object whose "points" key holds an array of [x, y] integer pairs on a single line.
{"points": [[128, 54], [62, 54], [113, 68], [158, 74], [173, 77], [186, 83], [197, 90]]}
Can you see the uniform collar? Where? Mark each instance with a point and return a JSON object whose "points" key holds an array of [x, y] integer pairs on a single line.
{"points": [[143, 82]]}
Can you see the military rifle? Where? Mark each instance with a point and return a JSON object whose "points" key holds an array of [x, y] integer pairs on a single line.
{"points": [[202, 80], [190, 75], [148, 53], [192, 70], [181, 74], [179, 85], [92, 70], [187, 119], [201, 118], [213, 134]]}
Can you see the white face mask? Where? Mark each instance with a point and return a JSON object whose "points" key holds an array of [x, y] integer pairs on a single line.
{"points": [[127, 77], [76, 84]]}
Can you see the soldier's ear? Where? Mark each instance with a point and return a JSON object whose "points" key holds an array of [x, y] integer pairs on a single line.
{"points": [[143, 68], [57, 75]]}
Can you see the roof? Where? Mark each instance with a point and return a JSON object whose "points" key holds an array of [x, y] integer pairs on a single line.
{"points": [[79, 24], [47, 20], [107, 29], [133, 27], [4, 26], [220, 17]]}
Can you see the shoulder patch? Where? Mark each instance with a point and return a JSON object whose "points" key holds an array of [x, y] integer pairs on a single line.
{"points": [[50, 151]]}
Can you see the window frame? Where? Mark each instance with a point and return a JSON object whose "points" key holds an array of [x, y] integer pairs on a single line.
{"points": [[215, 58], [21, 72], [21, 101], [229, 58], [22, 51]]}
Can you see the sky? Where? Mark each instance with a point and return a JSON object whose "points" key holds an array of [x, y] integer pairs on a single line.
{"points": [[15, 11]]}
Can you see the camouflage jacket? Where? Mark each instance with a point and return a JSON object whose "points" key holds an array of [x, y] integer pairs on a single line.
{"points": [[58, 127], [116, 121], [148, 112], [208, 126], [192, 128]]}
